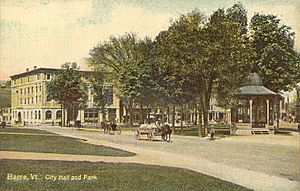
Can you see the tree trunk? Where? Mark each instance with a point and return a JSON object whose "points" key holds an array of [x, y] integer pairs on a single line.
{"points": [[200, 120], [181, 117], [162, 116], [173, 119], [142, 114], [168, 113], [130, 113], [126, 115], [148, 114], [196, 114], [61, 117]]}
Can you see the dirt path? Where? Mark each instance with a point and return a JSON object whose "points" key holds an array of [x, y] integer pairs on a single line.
{"points": [[248, 178]]}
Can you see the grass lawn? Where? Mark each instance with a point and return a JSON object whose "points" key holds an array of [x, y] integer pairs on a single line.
{"points": [[105, 176], [53, 144], [220, 131], [24, 130]]}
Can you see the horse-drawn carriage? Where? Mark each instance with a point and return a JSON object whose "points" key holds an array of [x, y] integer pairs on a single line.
{"points": [[110, 128], [151, 131]]}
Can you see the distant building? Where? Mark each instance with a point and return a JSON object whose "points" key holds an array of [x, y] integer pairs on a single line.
{"points": [[31, 105], [5, 101]]}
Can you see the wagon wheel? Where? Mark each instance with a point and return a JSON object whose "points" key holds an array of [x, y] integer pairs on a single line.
{"points": [[137, 135], [118, 129], [151, 136]]}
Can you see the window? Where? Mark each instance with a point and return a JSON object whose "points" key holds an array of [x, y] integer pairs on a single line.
{"points": [[24, 90], [36, 99], [48, 114], [35, 116], [32, 90], [40, 98], [48, 98], [40, 88], [31, 99], [58, 114], [28, 90], [28, 79], [21, 101], [28, 101], [25, 101], [39, 114], [36, 89], [38, 76], [31, 115], [48, 76]]}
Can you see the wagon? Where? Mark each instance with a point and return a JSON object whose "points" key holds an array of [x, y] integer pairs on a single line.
{"points": [[148, 130]]}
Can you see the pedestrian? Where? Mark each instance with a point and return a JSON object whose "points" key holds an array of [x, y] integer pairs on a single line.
{"points": [[52, 124], [212, 133], [299, 127], [3, 124]]}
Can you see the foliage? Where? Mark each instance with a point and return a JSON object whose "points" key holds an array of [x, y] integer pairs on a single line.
{"points": [[68, 88], [5, 94], [276, 61], [203, 57]]}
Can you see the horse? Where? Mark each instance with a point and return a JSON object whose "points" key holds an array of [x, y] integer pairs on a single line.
{"points": [[104, 127], [165, 131]]}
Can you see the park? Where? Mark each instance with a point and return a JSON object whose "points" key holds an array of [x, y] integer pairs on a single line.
{"points": [[205, 98]]}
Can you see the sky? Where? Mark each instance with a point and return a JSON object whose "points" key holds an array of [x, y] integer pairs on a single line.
{"points": [[48, 33]]}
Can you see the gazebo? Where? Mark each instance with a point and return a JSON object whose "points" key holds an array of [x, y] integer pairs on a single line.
{"points": [[256, 110]]}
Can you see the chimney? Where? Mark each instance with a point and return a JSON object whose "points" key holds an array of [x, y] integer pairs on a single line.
{"points": [[34, 67], [27, 69]]}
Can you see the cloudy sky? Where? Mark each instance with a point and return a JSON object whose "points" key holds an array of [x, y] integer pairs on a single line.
{"points": [[47, 33]]}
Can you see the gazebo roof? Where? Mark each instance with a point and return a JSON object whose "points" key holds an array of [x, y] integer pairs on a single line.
{"points": [[254, 87]]}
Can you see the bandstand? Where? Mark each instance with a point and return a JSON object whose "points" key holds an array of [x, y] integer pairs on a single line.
{"points": [[256, 110]]}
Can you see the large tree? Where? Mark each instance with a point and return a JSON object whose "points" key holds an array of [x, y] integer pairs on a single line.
{"points": [[68, 89], [124, 59], [205, 55], [276, 61]]}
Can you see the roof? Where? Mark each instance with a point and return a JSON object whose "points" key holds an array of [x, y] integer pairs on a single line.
{"points": [[254, 87], [255, 90], [44, 70]]}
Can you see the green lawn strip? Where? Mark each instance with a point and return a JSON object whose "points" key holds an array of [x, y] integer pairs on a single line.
{"points": [[24, 130], [110, 176], [195, 131], [56, 144]]}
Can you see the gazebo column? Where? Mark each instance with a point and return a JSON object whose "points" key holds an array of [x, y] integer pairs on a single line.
{"points": [[250, 113], [268, 113]]}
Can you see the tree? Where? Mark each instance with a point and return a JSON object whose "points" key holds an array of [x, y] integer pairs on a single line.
{"points": [[100, 93], [206, 55], [276, 61], [121, 58], [68, 89]]}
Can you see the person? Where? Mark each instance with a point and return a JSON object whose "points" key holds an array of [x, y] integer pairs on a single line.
{"points": [[52, 124], [3, 124], [212, 132], [299, 127]]}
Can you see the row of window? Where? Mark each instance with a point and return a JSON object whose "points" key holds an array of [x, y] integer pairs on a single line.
{"points": [[36, 114], [27, 90], [31, 78], [30, 100]]}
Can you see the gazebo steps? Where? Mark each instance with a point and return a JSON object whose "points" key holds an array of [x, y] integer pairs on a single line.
{"points": [[256, 131]]}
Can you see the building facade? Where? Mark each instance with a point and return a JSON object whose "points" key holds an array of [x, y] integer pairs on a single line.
{"points": [[30, 104]]}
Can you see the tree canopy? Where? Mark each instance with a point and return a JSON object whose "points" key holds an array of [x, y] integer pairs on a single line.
{"points": [[68, 88], [276, 60]]}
